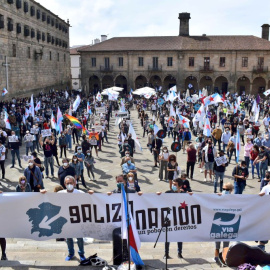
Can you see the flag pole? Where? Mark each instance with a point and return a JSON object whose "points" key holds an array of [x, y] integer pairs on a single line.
{"points": [[128, 222]]}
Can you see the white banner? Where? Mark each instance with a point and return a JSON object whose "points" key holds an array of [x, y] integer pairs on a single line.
{"points": [[46, 133], [198, 218]]}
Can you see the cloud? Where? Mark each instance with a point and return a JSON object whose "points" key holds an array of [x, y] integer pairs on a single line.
{"points": [[91, 18]]}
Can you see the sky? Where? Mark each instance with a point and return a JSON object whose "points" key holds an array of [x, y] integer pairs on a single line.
{"points": [[118, 18]]}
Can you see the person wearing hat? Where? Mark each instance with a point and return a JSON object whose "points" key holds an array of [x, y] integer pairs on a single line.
{"points": [[28, 139]]}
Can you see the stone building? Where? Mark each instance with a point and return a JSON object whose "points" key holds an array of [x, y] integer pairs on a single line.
{"points": [[75, 67], [234, 63], [34, 43]]}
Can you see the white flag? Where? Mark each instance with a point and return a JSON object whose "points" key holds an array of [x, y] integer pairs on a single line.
{"points": [[31, 107], [38, 106], [134, 137], [26, 113], [66, 93], [76, 103], [70, 109]]}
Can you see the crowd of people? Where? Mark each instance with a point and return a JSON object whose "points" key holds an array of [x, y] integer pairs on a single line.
{"points": [[212, 152]]}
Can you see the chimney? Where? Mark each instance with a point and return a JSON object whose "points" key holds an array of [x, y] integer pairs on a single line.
{"points": [[265, 31], [184, 18], [103, 38]]}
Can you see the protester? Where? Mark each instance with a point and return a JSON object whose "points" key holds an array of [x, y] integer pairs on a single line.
{"points": [[33, 176], [209, 154], [89, 164], [23, 185], [70, 184], [64, 171], [14, 146], [240, 174], [191, 160], [163, 164]]}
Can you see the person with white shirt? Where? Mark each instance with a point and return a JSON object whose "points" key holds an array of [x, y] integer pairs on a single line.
{"points": [[70, 184], [163, 158], [225, 137]]}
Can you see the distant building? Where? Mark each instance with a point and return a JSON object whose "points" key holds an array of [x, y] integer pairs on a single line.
{"points": [[222, 63], [75, 66], [35, 44]]}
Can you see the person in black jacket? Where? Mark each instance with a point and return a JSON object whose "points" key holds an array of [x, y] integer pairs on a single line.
{"points": [[156, 145], [64, 171], [131, 142], [14, 146], [85, 145]]}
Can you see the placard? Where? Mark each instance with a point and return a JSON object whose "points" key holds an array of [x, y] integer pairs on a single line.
{"points": [[98, 128], [46, 132], [122, 114], [221, 160], [101, 110], [34, 131], [93, 142], [13, 139]]}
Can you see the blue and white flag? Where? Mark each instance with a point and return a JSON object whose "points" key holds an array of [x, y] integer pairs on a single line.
{"points": [[207, 128], [4, 92], [131, 130], [129, 230], [76, 103], [184, 121]]}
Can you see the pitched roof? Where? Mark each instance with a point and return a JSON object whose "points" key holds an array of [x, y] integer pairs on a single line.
{"points": [[75, 50], [172, 43]]}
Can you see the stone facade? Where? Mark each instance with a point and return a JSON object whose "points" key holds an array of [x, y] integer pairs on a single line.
{"points": [[36, 45], [223, 63]]}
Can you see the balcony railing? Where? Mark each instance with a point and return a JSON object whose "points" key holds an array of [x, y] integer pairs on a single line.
{"points": [[206, 68], [106, 69], [151, 68], [260, 69]]}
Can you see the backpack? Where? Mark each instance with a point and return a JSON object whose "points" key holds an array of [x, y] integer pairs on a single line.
{"points": [[93, 260]]}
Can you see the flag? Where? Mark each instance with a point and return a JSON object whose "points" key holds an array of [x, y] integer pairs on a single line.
{"points": [[130, 97], [23, 119], [160, 88], [239, 101], [53, 122], [172, 111], [238, 146], [135, 138], [235, 108], [213, 99], [207, 129], [129, 230], [4, 92], [70, 109], [173, 89], [98, 97], [38, 106], [267, 92], [257, 113], [59, 127], [184, 121], [26, 113], [200, 113], [76, 103], [66, 93], [156, 129], [32, 107], [200, 94], [75, 121], [8, 126], [89, 108]]}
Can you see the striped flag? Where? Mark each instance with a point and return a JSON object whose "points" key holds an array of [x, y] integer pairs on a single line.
{"points": [[238, 146], [207, 128], [129, 230], [59, 121]]}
